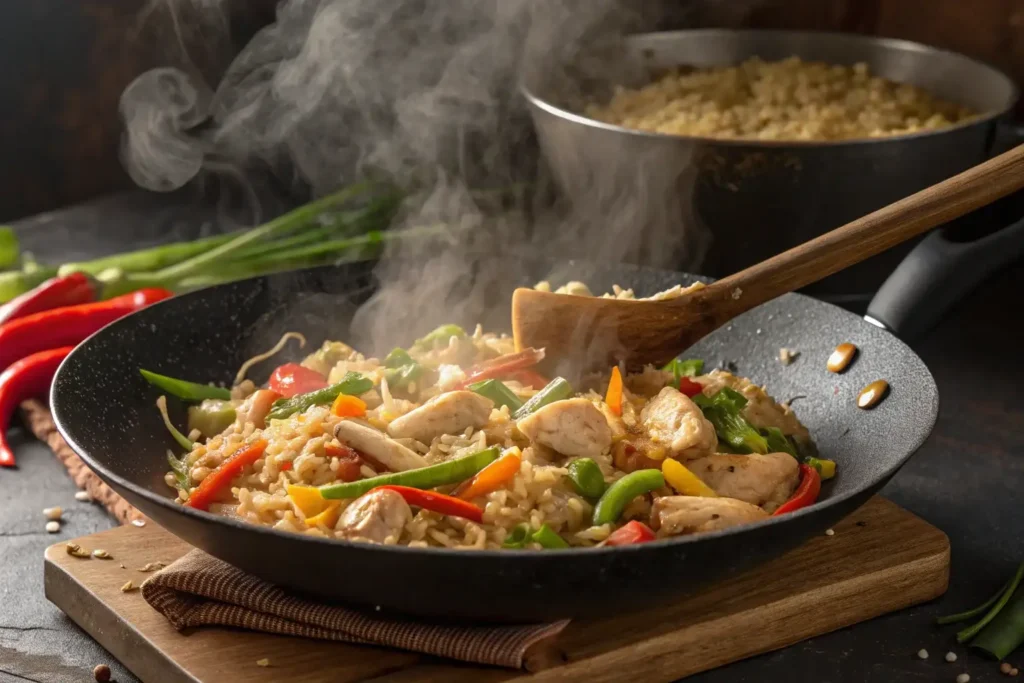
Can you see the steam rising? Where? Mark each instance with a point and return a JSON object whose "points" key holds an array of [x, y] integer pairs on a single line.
{"points": [[424, 92]]}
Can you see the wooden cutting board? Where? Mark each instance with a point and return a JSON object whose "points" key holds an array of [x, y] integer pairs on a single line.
{"points": [[880, 559]]}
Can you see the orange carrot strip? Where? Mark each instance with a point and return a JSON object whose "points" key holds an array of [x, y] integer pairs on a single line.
{"points": [[490, 478], [349, 406], [614, 396]]}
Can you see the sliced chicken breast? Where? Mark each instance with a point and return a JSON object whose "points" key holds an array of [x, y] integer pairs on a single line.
{"points": [[763, 480], [379, 517], [378, 446], [672, 420], [574, 427], [676, 515], [449, 413]]}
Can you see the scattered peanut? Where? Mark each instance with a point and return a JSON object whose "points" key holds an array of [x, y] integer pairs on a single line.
{"points": [[841, 357], [53, 514], [263, 662], [101, 554], [871, 395], [52, 527], [152, 567], [83, 496], [75, 550], [128, 587]]}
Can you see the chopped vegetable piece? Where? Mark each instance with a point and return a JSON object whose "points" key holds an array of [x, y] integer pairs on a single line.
{"points": [[557, 389], [437, 502], [613, 397], [403, 376], [684, 481], [348, 406], [778, 442], [502, 366], [492, 477], [307, 499], [529, 378], [964, 616], [806, 493], [630, 533], [689, 388], [684, 368], [500, 394], [587, 478], [211, 417], [548, 539], [1005, 632], [292, 379], [450, 472], [329, 517], [397, 358], [350, 461], [352, 384], [826, 468], [619, 494], [221, 478], [971, 631], [187, 391], [518, 538], [180, 470], [442, 333], [723, 411], [183, 441]]}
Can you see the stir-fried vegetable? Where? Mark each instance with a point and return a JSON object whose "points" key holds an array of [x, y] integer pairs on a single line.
{"points": [[450, 472], [220, 479], [826, 468], [683, 369], [723, 410], [631, 533], [401, 370], [442, 333], [348, 406], [437, 502], [684, 481], [519, 537], [180, 470], [328, 518], [557, 389], [806, 492], [778, 442], [619, 494], [492, 477], [548, 539], [183, 441], [587, 478], [613, 397], [500, 394], [307, 499], [292, 379], [211, 417], [502, 366], [353, 384], [187, 391]]}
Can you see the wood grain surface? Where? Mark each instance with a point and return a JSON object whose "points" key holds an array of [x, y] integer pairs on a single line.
{"points": [[880, 559]]}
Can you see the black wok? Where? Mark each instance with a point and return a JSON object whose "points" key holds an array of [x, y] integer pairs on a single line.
{"points": [[106, 412]]}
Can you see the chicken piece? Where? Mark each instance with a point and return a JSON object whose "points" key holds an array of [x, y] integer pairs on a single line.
{"points": [[761, 410], [676, 515], [672, 420], [648, 382], [574, 427], [378, 517], [388, 452], [449, 413], [763, 480], [255, 408]]}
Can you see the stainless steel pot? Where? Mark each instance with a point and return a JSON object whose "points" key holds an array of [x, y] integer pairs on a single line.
{"points": [[755, 199]]}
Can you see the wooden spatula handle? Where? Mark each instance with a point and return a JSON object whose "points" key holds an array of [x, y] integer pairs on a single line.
{"points": [[870, 235]]}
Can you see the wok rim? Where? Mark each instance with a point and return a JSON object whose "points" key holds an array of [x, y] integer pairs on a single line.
{"points": [[169, 505], [1014, 93]]}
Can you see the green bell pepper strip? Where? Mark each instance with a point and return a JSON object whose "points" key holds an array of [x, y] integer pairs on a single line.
{"points": [[443, 332], [353, 384], [587, 478], [397, 358], [450, 472], [619, 494], [403, 376], [519, 537], [500, 394], [548, 539], [188, 391], [557, 389]]}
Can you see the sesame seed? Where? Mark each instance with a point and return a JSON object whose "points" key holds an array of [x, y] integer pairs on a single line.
{"points": [[922, 653], [83, 496], [263, 662], [1005, 668], [830, 532], [53, 514], [52, 527], [963, 678], [950, 656]]}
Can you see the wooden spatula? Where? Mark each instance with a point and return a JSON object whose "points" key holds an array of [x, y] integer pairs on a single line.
{"points": [[587, 332]]}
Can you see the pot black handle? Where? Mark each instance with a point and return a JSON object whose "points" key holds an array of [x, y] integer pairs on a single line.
{"points": [[937, 274]]}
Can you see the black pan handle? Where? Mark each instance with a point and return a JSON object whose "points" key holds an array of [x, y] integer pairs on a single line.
{"points": [[937, 274]]}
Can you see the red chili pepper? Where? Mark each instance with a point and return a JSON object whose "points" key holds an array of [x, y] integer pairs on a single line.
{"points": [[29, 377], [72, 290], [806, 493], [68, 326], [502, 366], [689, 387], [437, 502], [630, 534], [292, 379], [529, 378], [221, 478]]}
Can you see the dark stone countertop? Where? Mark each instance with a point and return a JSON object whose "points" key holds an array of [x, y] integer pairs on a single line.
{"points": [[964, 480]]}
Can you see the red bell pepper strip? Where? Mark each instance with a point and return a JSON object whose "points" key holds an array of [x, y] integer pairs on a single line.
{"points": [[437, 502], [70, 325], [27, 378], [221, 478], [806, 493], [630, 534], [292, 379], [72, 290], [688, 387], [502, 366]]}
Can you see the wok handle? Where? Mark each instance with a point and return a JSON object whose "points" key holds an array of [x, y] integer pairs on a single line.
{"points": [[936, 275]]}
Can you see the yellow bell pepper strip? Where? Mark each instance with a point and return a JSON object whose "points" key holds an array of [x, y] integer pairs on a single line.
{"points": [[630, 533], [450, 472], [613, 397], [307, 499], [685, 482], [587, 478], [348, 406], [826, 468], [492, 477], [437, 502], [548, 539], [221, 478], [557, 389], [806, 493], [619, 494], [329, 517]]}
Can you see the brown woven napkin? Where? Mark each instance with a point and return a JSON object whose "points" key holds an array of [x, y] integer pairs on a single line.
{"points": [[200, 590]]}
